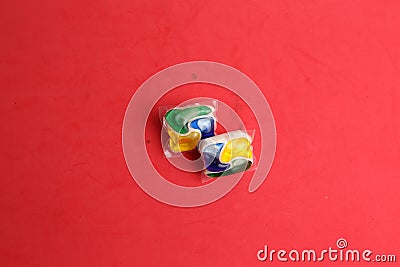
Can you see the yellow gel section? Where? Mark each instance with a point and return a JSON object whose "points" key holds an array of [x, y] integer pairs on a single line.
{"points": [[181, 143], [239, 147]]}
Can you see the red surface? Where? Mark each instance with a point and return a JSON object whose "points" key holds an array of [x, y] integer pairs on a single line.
{"points": [[329, 70]]}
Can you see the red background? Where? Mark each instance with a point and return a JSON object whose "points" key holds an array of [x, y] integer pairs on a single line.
{"points": [[329, 70]]}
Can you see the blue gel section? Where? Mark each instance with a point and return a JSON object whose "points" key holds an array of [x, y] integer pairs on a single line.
{"points": [[211, 158], [205, 125]]}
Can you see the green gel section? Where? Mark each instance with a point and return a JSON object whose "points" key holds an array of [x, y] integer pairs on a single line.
{"points": [[239, 168], [178, 118]]}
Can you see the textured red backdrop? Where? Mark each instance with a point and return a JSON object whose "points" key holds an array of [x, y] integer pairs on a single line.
{"points": [[329, 70]]}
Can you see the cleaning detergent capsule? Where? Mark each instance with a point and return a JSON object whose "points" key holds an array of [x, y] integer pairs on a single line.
{"points": [[186, 126], [227, 153]]}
